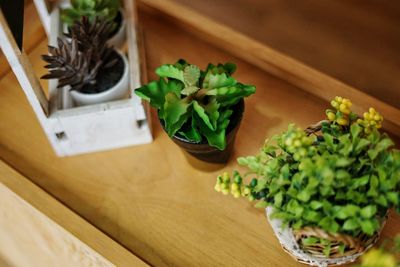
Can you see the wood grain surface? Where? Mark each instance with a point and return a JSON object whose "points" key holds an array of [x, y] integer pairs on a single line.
{"points": [[154, 199], [355, 41], [37, 230], [211, 27]]}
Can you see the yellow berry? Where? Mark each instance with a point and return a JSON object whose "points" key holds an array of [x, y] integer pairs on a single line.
{"points": [[372, 111], [360, 121], [339, 99], [224, 186], [225, 177], [346, 111], [347, 102], [234, 187], [372, 123], [378, 126], [377, 117], [246, 191], [217, 188], [236, 195], [334, 104], [366, 115], [331, 116], [342, 121], [225, 191]]}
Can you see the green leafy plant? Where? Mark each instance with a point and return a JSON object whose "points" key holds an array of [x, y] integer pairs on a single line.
{"points": [[105, 9], [341, 175], [195, 103]]}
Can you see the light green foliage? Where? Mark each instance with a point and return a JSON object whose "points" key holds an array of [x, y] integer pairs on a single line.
{"points": [[105, 9], [193, 103], [342, 180]]}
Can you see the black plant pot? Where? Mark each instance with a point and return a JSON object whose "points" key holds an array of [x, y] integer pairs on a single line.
{"points": [[203, 151]]}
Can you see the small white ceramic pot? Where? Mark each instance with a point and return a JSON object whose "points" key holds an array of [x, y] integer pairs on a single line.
{"points": [[118, 91], [118, 39]]}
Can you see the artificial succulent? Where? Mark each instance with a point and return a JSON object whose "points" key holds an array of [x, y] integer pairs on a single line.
{"points": [[105, 9], [193, 103], [79, 57]]}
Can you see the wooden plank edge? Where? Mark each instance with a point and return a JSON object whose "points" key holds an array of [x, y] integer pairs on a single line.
{"points": [[270, 60], [22, 68], [67, 219]]}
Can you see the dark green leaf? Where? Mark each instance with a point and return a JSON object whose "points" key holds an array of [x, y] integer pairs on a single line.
{"points": [[361, 145], [367, 227], [261, 204], [393, 197], [310, 241], [351, 224], [304, 195], [192, 133], [384, 144], [174, 111], [312, 216], [327, 250], [227, 96], [344, 162], [155, 92], [315, 205], [351, 210], [278, 198], [202, 114], [216, 138], [355, 130], [368, 211]]}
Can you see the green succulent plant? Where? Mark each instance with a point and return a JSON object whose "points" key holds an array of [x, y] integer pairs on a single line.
{"points": [[342, 178], [194, 103], [104, 9]]}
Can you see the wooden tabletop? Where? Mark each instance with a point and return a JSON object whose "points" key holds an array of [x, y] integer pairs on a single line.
{"points": [[153, 199]]}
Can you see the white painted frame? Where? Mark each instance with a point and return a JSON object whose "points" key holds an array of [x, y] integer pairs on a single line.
{"points": [[77, 130]]}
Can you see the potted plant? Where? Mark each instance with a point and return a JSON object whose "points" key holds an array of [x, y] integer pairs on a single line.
{"points": [[200, 110], [327, 189], [109, 10], [93, 71]]}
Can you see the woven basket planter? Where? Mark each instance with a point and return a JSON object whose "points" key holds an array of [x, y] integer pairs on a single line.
{"points": [[290, 241]]}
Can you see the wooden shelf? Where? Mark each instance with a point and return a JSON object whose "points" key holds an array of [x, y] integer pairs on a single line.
{"points": [[326, 49]]}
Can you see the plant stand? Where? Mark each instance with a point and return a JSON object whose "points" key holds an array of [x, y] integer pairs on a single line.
{"points": [[74, 130]]}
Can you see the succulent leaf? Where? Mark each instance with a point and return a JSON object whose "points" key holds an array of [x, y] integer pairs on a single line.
{"points": [[175, 112], [191, 75], [155, 92], [170, 71], [202, 114], [189, 90], [192, 133], [216, 138], [231, 95], [104, 9]]}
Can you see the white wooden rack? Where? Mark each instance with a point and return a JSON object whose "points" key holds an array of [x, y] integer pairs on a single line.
{"points": [[76, 130]]}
